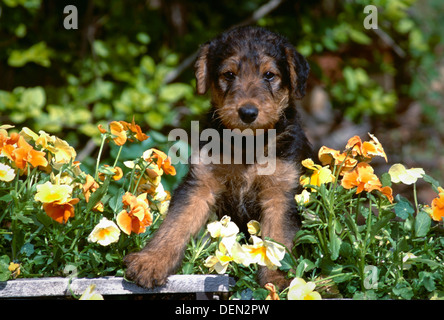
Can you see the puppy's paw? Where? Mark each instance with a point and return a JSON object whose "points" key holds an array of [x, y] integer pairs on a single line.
{"points": [[147, 269]]}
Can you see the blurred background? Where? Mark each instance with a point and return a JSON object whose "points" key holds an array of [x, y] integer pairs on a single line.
{"points": [[135, 58]]}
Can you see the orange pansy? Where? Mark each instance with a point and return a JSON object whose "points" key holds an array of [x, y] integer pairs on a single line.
{"points": [[26, 154], [438, 208], [60, 212], [89, 187], [118, 173], [135, 129], [119, 133], [168, 168], [137, 217], [334, 157], [101, 128], [363, 178], [367, 149]]}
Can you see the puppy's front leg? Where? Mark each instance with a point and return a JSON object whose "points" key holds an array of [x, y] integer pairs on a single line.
{"points": [[188, 212], [279, 218]]}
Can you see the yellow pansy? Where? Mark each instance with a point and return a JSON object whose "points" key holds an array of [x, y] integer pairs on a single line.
{"points": [[14, 268], [62, 151], [105, 233], [320, 175], [399, 173], [220, 261], [254, 228], [265, 252], [49, 192], [301, 290], [303, 197], [6, 173], [223, 228], [91, 294]]}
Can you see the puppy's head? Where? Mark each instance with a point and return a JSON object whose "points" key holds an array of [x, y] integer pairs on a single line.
{"points": [[253, 75]]}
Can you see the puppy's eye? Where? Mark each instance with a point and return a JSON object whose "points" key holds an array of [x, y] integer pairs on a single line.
{"points": [[229, 76], [269, 76]]}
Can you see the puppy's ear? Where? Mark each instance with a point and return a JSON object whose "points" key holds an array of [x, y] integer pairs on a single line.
{"points": [[298, 70], [201, 70]]}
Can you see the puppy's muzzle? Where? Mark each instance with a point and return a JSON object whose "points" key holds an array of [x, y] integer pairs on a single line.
{"points": [[248, 113]]}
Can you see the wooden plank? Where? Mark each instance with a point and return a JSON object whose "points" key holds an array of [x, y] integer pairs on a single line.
{"points": [[47, 287]]}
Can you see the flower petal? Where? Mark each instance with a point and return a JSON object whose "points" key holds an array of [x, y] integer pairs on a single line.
{"points": [[124, 221]]}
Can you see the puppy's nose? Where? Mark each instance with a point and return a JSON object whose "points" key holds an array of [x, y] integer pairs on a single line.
{"points": [[248, 113]]}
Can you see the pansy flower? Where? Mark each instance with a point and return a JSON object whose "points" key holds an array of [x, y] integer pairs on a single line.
{"points": [[364, 179], [329, 156], [366, 149], [7, 174], [137, 215], [301, 290], [437, 213], [57, 201], [60, 212], [272, 292], [265, 252], [162, 160], [25, 154], [320, 175], [135, 130], [105, 233], [399, 173]]}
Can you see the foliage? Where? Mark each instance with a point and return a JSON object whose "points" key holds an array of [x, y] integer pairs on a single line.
{"points": [[365, 245], [357, 239], [118, 70], [370, 244], [58, 219]]}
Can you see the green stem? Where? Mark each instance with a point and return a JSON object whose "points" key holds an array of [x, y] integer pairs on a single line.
{"points": [[142, 172], [96, 175], [415, 197], [118, 155]]}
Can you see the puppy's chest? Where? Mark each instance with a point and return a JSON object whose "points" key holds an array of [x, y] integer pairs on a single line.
{"points": [[240, 199], [243, 190]]}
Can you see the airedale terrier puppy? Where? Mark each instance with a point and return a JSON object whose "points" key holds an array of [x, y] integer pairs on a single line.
{"points": [[255, 77]]}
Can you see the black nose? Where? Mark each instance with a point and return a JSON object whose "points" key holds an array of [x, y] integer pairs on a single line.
{"points": [[248, 113]]}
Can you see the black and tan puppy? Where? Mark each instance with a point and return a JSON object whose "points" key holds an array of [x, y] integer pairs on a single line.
{"points": [[255, 77]]}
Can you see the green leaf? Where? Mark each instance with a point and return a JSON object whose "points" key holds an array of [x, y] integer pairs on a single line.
{"points": [[43, 218], [38, 53], [304, 236], [386, 180], [27, 249], [98, 194], [187, 268], [334, 245], [260, 294], [426, 279], [403, 290], [432, 181], [403, 207], [116, 201], [174, 92], [381, 224], [422, 224], [352, 226], [4, 265], [304, 266], [359, 36], [286, 263]]}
